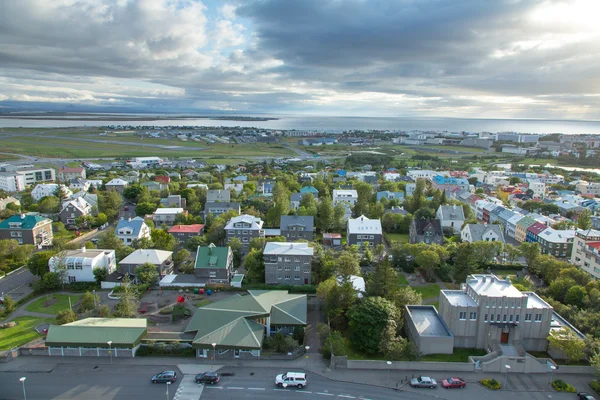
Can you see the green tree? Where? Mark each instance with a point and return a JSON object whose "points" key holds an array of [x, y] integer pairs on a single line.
{"points": [[531, 251], [163, 240], [566, 341], [100, 219], [255, 266], [132, 191], [575, 296], [584, 220], [110, 203], [347, 264], [339, 222], [335, 344], [511, 252], [147, 273], [38, 263], [100, 274], [109, 240], [428, 261], [128, 304], [61, 193], [326, 215], [180, 256], [194, 242], [383, 282], [49, 205], [66, 316], [22, 253], [145, 208], [8, 247], [372, 321], [89, 302], [9, 303], [404, 296], [236, 248]]}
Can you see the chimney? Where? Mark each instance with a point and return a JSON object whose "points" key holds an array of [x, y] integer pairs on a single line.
{"points": [[362, 218], [83, 249], [22, 216]]}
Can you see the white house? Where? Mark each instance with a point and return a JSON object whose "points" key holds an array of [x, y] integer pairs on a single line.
{"points": [[128, 230], [79, 264], [48, 189], [166, 215], [482, 232], [538, 188], [349, 196], [451, 217]]}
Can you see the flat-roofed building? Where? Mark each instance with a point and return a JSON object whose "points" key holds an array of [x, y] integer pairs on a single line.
{"points": [[427, 330]]}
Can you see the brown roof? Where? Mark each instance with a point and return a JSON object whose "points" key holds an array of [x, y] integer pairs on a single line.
{"points": [[195, 228], [78, 169]]}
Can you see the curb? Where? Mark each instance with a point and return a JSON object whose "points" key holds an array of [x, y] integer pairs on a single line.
{"points": [[12, 272]]}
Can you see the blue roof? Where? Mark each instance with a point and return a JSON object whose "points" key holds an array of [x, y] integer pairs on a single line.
{"points": [[341, 172], [135, 224], [308, 189], [390, 195], [442, 180]]}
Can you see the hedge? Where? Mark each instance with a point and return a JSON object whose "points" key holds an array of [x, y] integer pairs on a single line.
{"points": [[490, 384], [562, 386]]}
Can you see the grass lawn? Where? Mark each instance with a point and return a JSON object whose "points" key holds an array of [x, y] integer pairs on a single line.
{"points": [[397, 237], [459, 355], [402, 279], [61, 303], [354, 354], [23, 333], [429, 291], [202, 303]]}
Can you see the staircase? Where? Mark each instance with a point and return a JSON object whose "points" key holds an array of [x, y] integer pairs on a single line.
{"points": [[509, 350]]}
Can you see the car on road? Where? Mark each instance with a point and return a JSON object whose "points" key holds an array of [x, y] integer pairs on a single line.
{"points": [[585, 396], [165, 376], [454, 383], [423, 382], [126, 208], [297, 379], [209, 377]]}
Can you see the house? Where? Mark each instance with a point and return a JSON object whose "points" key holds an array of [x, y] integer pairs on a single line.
{"points": [[511, 225], [117, 184], [27, 229], [288, 263], [294, 227], [128, 230], [236, 326], [190, 174], [174, 201], [184, 232], [236, 187], [79, 184], [586, 251], [265, 186], [295, 199], [78, 265], [390, 195], [410, 188], [451, 217], [163, 260], [428, 231], [66, 174], [397, 210], [482, 232], [310, 190], [443, 183], [155, 185], [363, 231], [522, 226], [162, 179], [48, 189], [73, 209], [332, 239], [245, 228], [167, 216], [348, 196], [214, 264], [221, 196], [557, 243], [8, 200], [538, 188], [534, 231], [216, 209]]}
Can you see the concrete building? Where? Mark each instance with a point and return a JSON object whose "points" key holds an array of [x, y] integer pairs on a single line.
{"points": [[174, 201], [295, 227], [363, 231], [128, 230], [428, 231], [288, 263], [586, 251], [79, 264], [245, 228], [35, 175], [214, 264], [117, 184], [72, 209], [451, 217], [482, 232], [538, 188], [427, 330], [163, 260], [184, 232], [348, 196], [218, 208], [589, 187], [444, 183], [557, 243], [12, 182], [521, 228], [27, 229], [222, 196], [66, 174], [166, 216], [48, 189]]}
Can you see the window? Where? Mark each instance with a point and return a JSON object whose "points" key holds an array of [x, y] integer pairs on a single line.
{"points": [[504, 318], [519, 305], [538, 317], [485, 318], [510, 318], [297, 277], [527, 317], [296, 259], [512, 304], [288, 268], [297, 268], [287, 276], [498, 318], [279, 268], [493, 303], [473, 316], [462, 315], [212, 274], [491, 317], [517, 318]]}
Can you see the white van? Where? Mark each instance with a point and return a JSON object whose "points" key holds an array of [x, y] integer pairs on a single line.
{"points": [[297, 379]]}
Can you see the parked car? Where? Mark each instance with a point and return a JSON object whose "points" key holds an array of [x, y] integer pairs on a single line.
{"points": [[585, 396], [207, 377], [297, 379], [423, 382], [165, 376], [454, 383]]}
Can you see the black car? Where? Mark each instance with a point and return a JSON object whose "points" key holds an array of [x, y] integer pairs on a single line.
{"points": [[165, 376], [207, 377], [585, 396]]}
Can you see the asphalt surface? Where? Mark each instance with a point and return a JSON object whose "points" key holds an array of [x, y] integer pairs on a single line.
{"points": [[17, 284], [84, 382]]}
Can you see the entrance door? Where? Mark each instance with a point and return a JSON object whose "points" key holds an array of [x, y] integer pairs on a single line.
{"points": [[504, 337]]}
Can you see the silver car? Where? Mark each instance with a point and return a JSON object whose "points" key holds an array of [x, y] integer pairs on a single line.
{"points": [[423, 382]]}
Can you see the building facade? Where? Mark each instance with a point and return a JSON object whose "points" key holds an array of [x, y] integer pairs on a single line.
{"points": [[79, 265], [288, 263], [586, 251], [348, 196], [363, 231], [128, 230], [214, 264], [295, 227], [27, 229], [166, 216], [245, 228], [451, 217], [428, 231]]}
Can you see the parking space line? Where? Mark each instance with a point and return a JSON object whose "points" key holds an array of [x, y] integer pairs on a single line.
{"points": [[325, 394], [235, 388], [346, 396], [282, 390], [256, 388], [304, 391], [213, 387]]}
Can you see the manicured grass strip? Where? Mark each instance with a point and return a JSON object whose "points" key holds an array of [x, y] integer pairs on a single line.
{"points": [[61, 303], [202, 303], [459, 355], [429, 291], [402, 279], [397, 237], [23, 333]]}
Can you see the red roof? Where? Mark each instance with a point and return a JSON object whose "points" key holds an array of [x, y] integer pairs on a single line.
{"points": [[536, 228], [595, 245], [332, 236], [164, 179], [195, 228]]}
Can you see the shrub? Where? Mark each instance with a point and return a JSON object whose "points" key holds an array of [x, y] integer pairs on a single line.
{"points": [[103, 311], [335, 343], [165, 311], [165, 350], [299, 334], [562, 386], [490, 384], [65, 317], [595, 385]]}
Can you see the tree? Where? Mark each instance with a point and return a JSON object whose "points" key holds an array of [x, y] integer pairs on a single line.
{"points": [[61, 193], [255, 266], [49, 205], [8, 247], [132, 191], [511, 252], [236, 249], [566, 341], [405, 295], [180, 256], [334, 344], [383, 282], [163, 240], [100, 274], [9, 303], [144, 208], [22, 253], [110, 203], [194, 242], [339, 222], [530, 251], [128, 304], [428, 261], [147, 273], [326, 215], [66, 316], [584, 220], [372, 321], [38, 263], [109, 240], [348, 264], [100, 219], [575, 296], [89, 302]]}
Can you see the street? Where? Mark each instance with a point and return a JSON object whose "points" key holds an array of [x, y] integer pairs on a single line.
{"points": [[17, 284]]}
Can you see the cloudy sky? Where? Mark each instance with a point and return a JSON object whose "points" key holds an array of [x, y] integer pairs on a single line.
{"points": [[448, 58]]}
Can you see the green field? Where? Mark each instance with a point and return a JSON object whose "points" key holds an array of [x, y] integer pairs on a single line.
{"points": [[454, 148], [23, 333], [397, 237], [402, 279], [430, 291], [61, 302], [202, 303]]}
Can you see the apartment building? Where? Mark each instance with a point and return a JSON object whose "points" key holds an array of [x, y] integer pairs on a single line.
{"points": [[66, 174], [12, 182], [589, 187], [35, 175], [223, 196], [348, 196], [363, 231], [217, 208], [533, 232], [166, 216], [538, 188], [521, 228], [586, 251], [482, 232], [557, 243], [245, 228], [288, 263], [451, 217], [295, 227], [48, 189], [78, 265], [27, 229], [214, 264]]}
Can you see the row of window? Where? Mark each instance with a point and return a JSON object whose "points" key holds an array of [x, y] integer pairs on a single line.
{"points": [[16, 234], [492, 303], [296, 277], [498, 317], [296, 268], [365, 237]]}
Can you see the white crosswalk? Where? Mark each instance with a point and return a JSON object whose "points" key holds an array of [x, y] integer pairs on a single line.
{"points": [[188, 389]]}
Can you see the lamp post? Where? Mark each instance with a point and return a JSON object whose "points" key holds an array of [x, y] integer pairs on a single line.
{"points": [[307, 348], [22, 380], [109, 343], [168, 383], [552, 369], [214, 345], [506, 377], [389, 364]]}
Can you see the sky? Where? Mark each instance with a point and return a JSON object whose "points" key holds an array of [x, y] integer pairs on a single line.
{"points": [[413, 58]]}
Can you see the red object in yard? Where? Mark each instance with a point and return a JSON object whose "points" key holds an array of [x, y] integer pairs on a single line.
{"points": [[201, 291], [143, 308], [180, 299]]}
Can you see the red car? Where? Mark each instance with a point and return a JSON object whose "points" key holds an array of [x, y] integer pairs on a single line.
{"points": [[453, 383]]}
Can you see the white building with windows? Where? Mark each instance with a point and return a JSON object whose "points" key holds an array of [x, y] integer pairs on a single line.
{"points": [[48, 189], [79, 265], [128, 230], [348, 196]]}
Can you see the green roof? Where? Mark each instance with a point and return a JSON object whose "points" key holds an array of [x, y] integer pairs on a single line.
{"points": [[97, 332], [526, 222], [232, 322], [212, 257], [237, 278], [29, 222]]}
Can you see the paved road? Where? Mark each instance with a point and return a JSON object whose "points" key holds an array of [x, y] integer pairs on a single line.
{"points": [[17, 284], [84, 382]]}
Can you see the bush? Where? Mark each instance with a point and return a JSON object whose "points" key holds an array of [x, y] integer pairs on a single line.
{"points": [[299, 334], [165, 311], [65, 317], [335, 343], [165, 350], [103, 311], [284, 344], [490, 384], [562, 386], [83, 286], [595, 385]]}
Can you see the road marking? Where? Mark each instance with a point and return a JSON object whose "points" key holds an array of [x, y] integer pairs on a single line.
{"points": [[256, 388], [282, 390], [213, 387], [346, 396], [303, 391], [235, 388], [325, 394]]}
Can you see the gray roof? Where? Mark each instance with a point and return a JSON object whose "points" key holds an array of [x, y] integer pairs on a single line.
{"points": [[231, 205], [479, 230], [427, 321], [218, 195], [297, 196], [307, 221], [450, 213], [152, 256]]}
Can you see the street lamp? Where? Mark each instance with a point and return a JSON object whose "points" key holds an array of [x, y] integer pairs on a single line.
{"points": [[307, 348], [552, 369], [506, 377], [22, 380], [389, 364], [109, 343], [168, 383], [214, 345]]}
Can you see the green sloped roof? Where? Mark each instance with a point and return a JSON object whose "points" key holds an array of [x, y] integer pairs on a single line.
{"points": [[239, 303], [241, 333], [29, 222], [97, 332], [207, 256], [206, 320], [291, 312]]}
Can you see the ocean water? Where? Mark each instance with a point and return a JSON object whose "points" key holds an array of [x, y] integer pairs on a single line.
{"points": [[321, 123]]}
